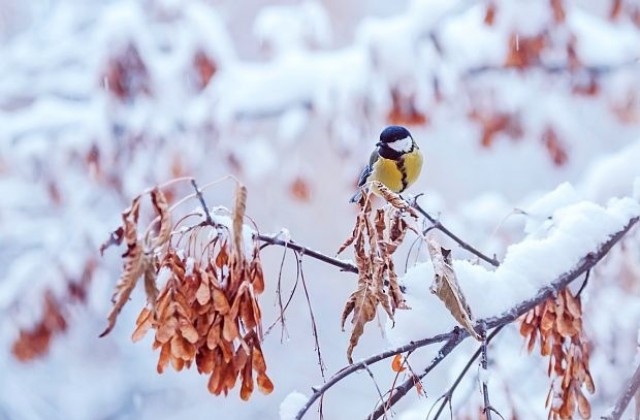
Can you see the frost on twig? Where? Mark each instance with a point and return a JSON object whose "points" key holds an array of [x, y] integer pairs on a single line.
{"points": [[375, 238]]}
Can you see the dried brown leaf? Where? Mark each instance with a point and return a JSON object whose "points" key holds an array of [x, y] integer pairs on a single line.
{"points": [[189, 332], [166, 330], [230, 328], [569, 405], [143, 324], [565, 327], [177, 363], [161, 207], [362, 303], [181, 348], [150, 288], [397, 298], [584, 408], [264, 384], [397, 364], [446, 287], [215, 381], [114, 239], [205, 361], [215, 336], [134, 264], [247, 382], [393, 198], [246, 312], [547, 322], [220, 302], [256, 273], [238, 218], [133, 269], [588, 383], [203, 294], [165, 356], [573, 304]]}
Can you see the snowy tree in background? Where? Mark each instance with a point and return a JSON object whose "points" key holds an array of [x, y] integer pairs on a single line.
{"points": [[528, 116]]}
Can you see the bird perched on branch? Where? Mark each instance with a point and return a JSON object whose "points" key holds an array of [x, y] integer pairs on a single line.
{"points": [[396, 162]]}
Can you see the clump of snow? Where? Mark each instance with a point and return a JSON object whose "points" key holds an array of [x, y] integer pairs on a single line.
{"points": [[484, 376], [291, 27], [603, 42], [542, 208], [247, 231], [613, 175], [292, 404]]}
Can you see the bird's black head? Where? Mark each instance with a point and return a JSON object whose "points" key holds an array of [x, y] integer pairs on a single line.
{"points": [[393, 133]]}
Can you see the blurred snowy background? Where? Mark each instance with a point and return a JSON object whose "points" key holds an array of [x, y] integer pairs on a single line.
{"points": [[101, 99]]}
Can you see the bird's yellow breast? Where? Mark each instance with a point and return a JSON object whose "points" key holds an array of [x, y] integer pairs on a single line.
{"points": [[398, 175]]}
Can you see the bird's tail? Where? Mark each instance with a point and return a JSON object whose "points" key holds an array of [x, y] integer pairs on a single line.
{"points": [[356, 197]]}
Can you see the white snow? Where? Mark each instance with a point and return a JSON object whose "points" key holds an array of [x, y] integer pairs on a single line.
{"points": [[292, 404]]}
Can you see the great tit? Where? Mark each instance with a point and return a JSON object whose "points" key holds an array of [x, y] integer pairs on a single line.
{"points": [[396, 162]]}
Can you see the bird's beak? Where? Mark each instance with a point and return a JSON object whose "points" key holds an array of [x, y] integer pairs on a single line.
{"points": [[378, 144]]}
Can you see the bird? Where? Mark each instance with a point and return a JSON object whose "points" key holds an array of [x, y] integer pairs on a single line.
{"points": [[396, 162]]}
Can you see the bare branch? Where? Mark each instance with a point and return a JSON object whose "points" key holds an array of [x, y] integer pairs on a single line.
{"points": [[314, 326], [597, 70], [363, 364], [205, 209], [454, 339], [446, 398], [274, 240], [630, 389], [488, 408], [584, 283]]}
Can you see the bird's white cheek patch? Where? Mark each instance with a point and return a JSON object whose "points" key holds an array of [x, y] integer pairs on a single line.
{"points": [[401, 145]]}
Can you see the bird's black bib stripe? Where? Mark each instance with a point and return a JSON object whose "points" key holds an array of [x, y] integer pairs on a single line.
{"points": [[403, 170]]}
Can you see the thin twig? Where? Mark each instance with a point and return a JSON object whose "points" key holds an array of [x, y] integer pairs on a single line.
{"points": [[597, 70], [314, 326], [630, 389], [483, 366], [342, 265], [380, 396], [283, 323], [464, 245], [446, 398], [454, 339], [584, 283], [207, 215]]}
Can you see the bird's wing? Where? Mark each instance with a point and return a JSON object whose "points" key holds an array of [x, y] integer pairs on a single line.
{"points": [[368, 169]]}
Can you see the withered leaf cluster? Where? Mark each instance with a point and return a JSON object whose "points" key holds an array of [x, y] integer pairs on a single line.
{"points": [[557, 325], [375, 238], [207, 311]]}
